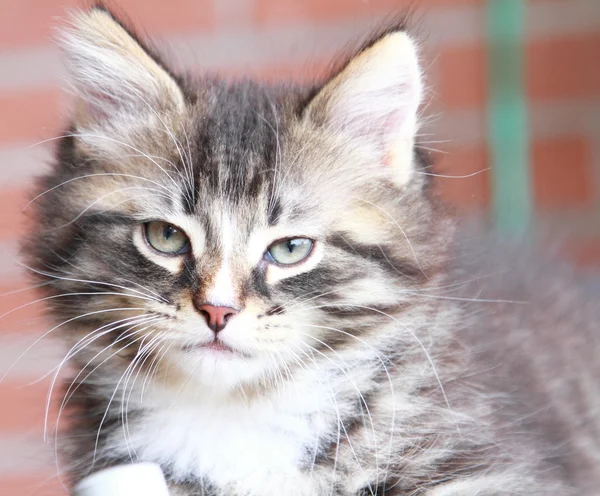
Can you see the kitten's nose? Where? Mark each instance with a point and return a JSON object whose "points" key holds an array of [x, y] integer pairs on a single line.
{"points": [[217, 317]]}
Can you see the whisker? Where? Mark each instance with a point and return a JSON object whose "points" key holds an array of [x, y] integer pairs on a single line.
{"points": [[145, 353], [98, 200], [98, 332], [70, 355], [71, 391], [416, 338], [387, 373], [353, 383], [116, 389], [101, 283], [60, 325], [86, 176], [341, 426], [447, 176]]}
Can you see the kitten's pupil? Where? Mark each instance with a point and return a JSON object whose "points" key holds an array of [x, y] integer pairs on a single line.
{"points": [[169, 231]]}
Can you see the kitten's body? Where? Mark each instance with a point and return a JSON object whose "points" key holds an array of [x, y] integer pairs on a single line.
{"points": [[523, 416], [383, 363]]}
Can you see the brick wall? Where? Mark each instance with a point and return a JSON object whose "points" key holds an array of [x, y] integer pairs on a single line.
{"points": [[275, 39]]}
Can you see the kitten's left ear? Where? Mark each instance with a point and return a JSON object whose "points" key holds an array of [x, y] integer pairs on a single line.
{"points": [[113, 73], [374, 101]]}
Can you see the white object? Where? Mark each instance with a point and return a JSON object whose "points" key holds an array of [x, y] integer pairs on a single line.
{"points": [[142, 479]]}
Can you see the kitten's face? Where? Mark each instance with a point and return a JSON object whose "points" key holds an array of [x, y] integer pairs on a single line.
{"points": [[228, 230]]}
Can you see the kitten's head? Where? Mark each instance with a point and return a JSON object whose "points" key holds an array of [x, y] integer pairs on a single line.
{"points": [[230, 229]]}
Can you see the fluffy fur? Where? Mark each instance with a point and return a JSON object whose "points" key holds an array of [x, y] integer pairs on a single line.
{"points": [[382, 364]]}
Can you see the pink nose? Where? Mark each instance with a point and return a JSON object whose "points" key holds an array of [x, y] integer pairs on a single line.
{"points": [[217, 317]]}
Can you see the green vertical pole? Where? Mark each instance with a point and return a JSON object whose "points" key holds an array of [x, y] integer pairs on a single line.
{"points": [[507, 117]]}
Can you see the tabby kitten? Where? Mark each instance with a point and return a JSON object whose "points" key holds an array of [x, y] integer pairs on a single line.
{"points": [[261, 295]]}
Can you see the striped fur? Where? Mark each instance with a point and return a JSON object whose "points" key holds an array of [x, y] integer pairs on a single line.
{"points": [[360, 371]]}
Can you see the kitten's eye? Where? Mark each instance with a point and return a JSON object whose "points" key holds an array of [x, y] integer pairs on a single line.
{"points": [[166, 238], [290, 251]]}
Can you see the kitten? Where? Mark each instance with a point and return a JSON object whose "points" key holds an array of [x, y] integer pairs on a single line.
{"points": [[261, 295]]}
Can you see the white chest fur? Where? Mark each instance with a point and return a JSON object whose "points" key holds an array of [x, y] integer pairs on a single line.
{"points": [[257, 447]]}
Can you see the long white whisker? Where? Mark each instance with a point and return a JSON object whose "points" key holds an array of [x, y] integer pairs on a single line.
{"points": [[98, 332], [86, 176], [127, 145], [60, 325], [110, 402], [354, 385], [69, 355], [154, 367], [70, 392], [102, 283], [387, 373], [146, 353], [341, 426], [415, 337], [446, 176], [98, 200]]}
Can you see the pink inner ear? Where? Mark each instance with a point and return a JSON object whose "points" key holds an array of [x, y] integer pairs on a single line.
{"points": [[383, 130], [391, 131]]}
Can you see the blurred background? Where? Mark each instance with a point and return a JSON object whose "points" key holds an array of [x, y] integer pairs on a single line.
{"points": [[514, 117]]}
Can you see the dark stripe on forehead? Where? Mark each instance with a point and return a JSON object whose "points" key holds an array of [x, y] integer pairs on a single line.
{"points": [[254, 185], [382, 255], [274, 211], [238, 137], [191, 190]]}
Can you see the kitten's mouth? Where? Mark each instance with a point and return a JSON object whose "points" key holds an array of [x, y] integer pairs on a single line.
{"points": [[216, 345]]}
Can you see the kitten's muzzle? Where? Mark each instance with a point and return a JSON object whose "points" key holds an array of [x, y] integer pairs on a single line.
{"points": [[216, 317]]}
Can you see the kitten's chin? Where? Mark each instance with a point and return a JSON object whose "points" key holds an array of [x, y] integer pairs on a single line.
{"points": [[217, 367]]}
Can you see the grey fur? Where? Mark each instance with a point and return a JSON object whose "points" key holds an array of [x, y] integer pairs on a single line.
{"points": [[457, 367]]}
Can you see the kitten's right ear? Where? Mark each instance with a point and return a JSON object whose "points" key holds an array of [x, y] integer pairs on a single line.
{"points": [[374, 101], [112, 72]]}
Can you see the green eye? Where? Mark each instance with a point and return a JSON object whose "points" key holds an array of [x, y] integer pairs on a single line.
{"points": [[166, 238], [290, 251]]}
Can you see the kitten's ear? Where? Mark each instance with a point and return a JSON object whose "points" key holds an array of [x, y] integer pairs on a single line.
{"points": [[112, 72], [374, 101]]}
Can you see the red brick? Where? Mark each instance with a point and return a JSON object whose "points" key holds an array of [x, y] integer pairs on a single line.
{"points": [[38, 484], [461, 77], [304, 73], [563, 67], [472, 192], [31, 116], [561, 173], [174, 16], [585, 253], [292, 11], [17, 314], [31, 22], [13, 221], [25, 407]]}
